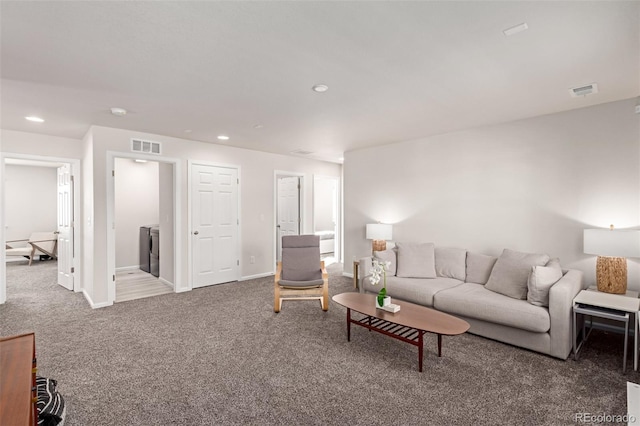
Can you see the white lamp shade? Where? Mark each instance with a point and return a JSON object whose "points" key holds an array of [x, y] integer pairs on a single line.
{"points": [[379, 231], [614, 243]]}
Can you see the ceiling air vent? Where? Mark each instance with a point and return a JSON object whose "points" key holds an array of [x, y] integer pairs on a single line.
{"points": [[147, 147], [301, 152], [584, 90]]}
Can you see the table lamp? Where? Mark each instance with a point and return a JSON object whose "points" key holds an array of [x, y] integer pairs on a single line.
{"points": [[612, 248], [379, 233]]}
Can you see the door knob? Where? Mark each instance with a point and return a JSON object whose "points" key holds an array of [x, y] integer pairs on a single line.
{"points": [[195, 232]]}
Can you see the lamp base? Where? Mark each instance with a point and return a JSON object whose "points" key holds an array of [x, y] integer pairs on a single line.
{"points": [[611, 274], [379, 245]]}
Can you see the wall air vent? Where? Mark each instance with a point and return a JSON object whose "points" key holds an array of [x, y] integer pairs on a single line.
{"points": [[584, 90], [147, 147], [301, 152]]}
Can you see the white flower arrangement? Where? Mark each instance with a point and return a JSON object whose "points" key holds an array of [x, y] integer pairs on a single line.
{"points": [[379, 270]]}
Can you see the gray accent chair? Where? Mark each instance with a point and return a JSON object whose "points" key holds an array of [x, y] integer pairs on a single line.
{"points": [[301, 274]]}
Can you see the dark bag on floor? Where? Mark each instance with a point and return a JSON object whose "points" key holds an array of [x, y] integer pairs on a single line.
{"points": [[50, 402]]}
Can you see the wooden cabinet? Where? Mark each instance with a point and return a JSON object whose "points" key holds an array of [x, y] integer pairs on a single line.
{"points": [[18, 392]]}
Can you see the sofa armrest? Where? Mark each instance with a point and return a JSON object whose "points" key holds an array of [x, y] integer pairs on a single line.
{"points": [[561, 297]]}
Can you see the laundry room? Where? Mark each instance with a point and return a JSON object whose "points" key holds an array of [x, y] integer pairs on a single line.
{"points": [[144, 243]]}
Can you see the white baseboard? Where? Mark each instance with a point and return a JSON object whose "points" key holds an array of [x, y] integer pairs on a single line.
{"points": [[167, 283], [127, 268], [347, 274], [95, 305], [253, 277]]}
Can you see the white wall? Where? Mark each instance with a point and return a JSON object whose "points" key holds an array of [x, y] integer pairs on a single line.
{"points": [[167, 268], [136, 204], [31, 200], [324, 200], [531, 185], [256, 190]]}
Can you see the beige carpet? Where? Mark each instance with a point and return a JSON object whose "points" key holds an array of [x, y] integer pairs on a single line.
{"points": [[219, 355]]}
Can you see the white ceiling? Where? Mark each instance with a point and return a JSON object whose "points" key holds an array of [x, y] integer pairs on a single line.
{"points": [[396, 70]]}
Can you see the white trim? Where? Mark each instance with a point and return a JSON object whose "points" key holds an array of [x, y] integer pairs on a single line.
{"points": [[110, 223], [338, 228], [190, 164], [301, 202], [253, 277], [78, 231], [95, 305], [167, 283], [127, 268], [347, 274]]}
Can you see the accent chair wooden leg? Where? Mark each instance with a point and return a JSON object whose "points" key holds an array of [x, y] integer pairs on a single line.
{"points": [[277, 303], [33, 253], [325, 298]]}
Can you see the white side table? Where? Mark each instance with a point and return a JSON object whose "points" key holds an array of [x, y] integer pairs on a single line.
{"points": [[605, 305]]}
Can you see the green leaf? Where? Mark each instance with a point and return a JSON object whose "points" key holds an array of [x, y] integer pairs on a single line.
{"points": [[381, 295]]}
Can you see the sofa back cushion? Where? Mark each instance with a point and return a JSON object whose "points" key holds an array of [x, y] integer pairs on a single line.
{"points": [[416, 260], [540, 281], [388, 255], [479, 267], [511, 272], [450, 262]]}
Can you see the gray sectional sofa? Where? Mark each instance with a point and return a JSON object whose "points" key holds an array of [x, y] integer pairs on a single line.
{"points": [[523, 299]]}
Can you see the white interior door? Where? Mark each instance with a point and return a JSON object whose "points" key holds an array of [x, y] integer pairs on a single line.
{"points": [[65, 227], [214, 220], [288, 209]]}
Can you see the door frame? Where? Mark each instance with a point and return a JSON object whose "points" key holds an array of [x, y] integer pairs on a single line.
{"points": [[301, 203], [190, 164], [110, 223], [77, 221], [338, 201]]}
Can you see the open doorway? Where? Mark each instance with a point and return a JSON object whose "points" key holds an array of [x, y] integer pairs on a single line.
{"points": [[288, 190], [326, 216], [143, 218], [40, 206]]}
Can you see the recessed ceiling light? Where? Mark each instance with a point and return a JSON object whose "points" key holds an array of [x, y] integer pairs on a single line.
{"points": [[258, 126], [120, 112], [223, 138], [515, 30], [320, 88], [35, 119], [188, 131], [140, 160]]}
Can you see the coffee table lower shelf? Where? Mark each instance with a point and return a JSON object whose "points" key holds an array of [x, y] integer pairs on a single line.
{"points": [[406, 334]]}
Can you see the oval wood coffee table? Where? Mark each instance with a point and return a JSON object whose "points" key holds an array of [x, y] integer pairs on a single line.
{"points": [[408, 325]]}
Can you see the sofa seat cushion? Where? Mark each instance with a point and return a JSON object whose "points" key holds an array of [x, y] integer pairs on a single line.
{"points": [[475, 301], [414, 290]]}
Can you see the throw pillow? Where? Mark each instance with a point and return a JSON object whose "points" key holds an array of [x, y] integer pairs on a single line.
{"points": [[510, 274], [416, 260], [479, 267], [387, 256], [541, 280], [450, 262]]}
